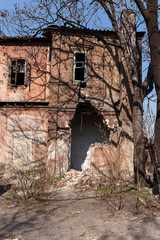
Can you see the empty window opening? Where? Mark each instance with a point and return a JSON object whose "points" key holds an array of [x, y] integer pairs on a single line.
{"points": [[18, 71], [79, 66], [87, 129]]}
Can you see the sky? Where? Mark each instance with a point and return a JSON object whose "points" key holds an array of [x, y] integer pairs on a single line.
{"points": [[7, 4]]}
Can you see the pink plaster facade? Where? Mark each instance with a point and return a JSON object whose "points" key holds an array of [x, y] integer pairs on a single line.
{"points": [[56, 118], [23, 113]]}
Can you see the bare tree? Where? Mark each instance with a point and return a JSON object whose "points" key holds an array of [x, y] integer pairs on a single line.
{"points": [[149, 11]]}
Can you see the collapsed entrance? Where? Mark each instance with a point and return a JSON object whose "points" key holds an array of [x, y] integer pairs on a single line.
{"points": [[87, 128]]}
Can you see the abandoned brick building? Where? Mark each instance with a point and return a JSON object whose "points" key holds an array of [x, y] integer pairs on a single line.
{"points": [[59, 102]]}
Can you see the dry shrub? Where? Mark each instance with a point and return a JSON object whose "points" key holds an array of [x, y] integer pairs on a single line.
{"points": [[33, 183]]}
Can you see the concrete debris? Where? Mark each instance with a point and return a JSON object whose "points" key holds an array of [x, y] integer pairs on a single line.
{"points": [[83, 180]]}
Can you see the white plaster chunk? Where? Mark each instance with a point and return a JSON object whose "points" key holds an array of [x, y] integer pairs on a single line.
{"points": [[107, 121], [87, 163], [66, 125]]}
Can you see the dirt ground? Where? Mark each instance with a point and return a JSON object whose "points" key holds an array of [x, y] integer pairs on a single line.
{"points": [[74, 212]]}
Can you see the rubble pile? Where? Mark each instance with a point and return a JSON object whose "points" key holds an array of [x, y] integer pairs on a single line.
{"points": [[83, 180]]}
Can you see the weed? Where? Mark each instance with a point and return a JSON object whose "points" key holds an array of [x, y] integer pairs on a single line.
{"points": [[145, 195], [9, 198], [59, 177], [37, 184], [40, 211], [145, 189], [32, 170], [128, 188], [106, 189], [94, 203]]}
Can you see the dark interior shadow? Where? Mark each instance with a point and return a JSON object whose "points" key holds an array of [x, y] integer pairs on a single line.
{"points": [[4, 188]]}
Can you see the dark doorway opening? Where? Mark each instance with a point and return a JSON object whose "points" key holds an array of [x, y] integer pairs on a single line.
{"points": [[87, 128]]}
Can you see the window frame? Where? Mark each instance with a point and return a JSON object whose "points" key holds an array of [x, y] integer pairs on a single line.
{"points": [[84, 65], [10, 72]]}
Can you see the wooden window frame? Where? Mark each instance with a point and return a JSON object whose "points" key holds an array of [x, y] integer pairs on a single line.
{"points": [[10, 72], [80, 62]]}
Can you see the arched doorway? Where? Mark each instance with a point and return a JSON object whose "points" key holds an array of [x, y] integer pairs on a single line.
{"points": [[87, 128]]}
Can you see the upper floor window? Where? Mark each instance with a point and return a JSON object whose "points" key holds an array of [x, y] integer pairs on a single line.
{"points": [[17, 72], [79, 70]]}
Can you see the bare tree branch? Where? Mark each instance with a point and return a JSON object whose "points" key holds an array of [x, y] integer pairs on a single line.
{"points": [[142, 9], [147, 84]]}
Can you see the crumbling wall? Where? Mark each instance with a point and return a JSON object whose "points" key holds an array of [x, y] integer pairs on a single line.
{"points": [[113, 159], [24, 143], [102, 90]]}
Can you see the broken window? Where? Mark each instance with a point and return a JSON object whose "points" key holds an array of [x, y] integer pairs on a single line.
{"points": [[17, 72], [79, 71]]}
